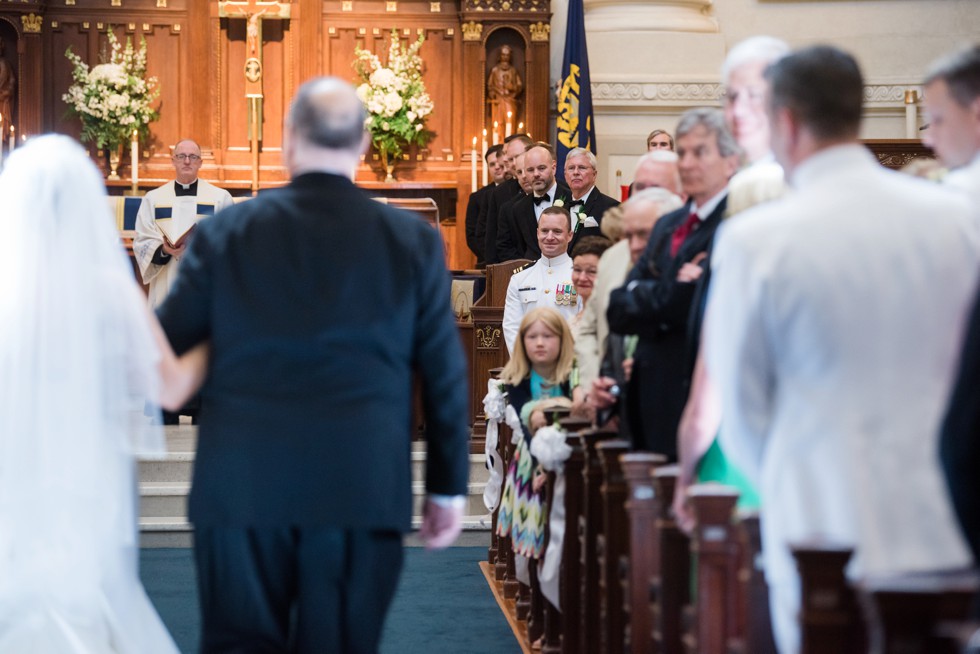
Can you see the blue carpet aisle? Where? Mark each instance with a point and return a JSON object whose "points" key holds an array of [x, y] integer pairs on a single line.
{"points": [[442, 603]]}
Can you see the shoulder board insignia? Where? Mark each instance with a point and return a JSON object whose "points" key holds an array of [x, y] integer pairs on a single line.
{"points": [[526, 265]]}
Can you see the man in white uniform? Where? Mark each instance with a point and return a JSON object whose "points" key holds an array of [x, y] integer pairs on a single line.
{"points": [[834, 320], [548, 281], [169, 212]]}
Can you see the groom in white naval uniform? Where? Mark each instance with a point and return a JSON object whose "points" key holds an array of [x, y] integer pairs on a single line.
{"points": [[548, 281], [834, 323]]}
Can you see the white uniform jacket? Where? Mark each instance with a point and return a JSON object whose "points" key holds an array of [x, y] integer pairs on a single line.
{"points": [[545, 283]]}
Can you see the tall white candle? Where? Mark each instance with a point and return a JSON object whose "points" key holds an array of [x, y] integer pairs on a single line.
{"points": [[911, 119], [134, 158], [473, 166], [484, 158], [496, 132], [13, 138], [510, 125]]}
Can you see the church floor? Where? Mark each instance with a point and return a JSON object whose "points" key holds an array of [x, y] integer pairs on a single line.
{"points": [[442, 604]]}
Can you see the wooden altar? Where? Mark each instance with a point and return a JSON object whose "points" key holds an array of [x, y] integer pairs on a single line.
{"points": [[199, 58]]}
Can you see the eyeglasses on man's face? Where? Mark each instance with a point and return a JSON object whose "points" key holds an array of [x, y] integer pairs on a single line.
{"points": [[193, 158]]}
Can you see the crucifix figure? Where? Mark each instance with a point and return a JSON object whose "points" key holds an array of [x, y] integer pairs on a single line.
{"points": [[254, 12]]}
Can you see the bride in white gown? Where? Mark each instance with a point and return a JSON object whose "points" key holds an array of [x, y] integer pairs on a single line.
{"points": [[79, 355]]}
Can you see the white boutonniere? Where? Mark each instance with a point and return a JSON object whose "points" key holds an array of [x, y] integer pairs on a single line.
{"points": [[558, 203], [578, 213]]}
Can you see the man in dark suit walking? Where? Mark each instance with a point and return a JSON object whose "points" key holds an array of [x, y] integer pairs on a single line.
{"points": [[321, 305], [588, 203], [656, 301]]}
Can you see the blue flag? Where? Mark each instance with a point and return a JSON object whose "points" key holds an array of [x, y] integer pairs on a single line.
{"points": [[576, 126]]}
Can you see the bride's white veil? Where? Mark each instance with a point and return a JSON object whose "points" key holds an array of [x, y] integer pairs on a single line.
{"points": [[77, 362]]}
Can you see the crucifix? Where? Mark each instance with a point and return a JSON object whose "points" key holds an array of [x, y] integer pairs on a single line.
{"points": [[254, 12]]}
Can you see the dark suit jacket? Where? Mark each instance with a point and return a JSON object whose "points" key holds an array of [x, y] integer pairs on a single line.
{"points": [[526, 225], [519, 395], [510, 245], [595, 206], [476, 221], [960, 441], [657, 309], [504, 192], [321, 305]]}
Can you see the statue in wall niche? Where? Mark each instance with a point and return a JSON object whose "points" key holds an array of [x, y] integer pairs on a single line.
{"points": [[7, 85], [503, 88]]}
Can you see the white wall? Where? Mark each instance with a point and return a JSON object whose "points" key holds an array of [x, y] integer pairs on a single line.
{"points": [[644, 77]]}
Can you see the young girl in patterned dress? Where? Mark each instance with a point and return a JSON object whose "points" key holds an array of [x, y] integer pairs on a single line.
{"points": [[537, 375]]}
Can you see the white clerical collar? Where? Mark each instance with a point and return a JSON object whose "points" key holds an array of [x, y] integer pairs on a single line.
{"points": [[561, 259], [186, 186], [585, 198], [550, 192], [709, 207]]}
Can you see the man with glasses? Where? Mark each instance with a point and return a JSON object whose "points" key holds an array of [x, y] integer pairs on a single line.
{"points": [[165, 224], [167, 216]]}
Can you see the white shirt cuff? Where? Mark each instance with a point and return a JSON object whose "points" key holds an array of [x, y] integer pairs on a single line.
{"points": [[448, 501]]}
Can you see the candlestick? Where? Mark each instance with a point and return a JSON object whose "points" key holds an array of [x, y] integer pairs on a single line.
{"points": [[484, 151], [13, 138], [911, 120], [496, 132], [473, 166], [520, 128], [134, 160], [510, 125]]}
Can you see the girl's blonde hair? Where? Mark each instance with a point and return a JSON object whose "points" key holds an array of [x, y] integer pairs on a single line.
{"points": [[519, 365]]}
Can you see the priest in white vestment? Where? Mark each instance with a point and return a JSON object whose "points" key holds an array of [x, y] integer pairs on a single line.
{"points": [[167, 217], [835, 318]]}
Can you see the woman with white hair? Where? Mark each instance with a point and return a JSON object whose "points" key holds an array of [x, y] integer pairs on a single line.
{"points": [[80, 354]]}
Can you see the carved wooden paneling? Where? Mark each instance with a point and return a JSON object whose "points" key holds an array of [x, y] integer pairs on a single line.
{"points": [[164, 61], [277, 89], [198, 59], [58, 75]]}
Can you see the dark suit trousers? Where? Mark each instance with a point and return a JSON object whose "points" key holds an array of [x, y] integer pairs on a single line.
{"points": [[296, 590]]}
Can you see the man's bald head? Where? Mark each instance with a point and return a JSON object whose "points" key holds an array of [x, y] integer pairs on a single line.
{"points": [[657, 169], [326, 113]]}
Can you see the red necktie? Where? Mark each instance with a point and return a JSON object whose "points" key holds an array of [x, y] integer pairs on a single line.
{"points": [[682, 233]]}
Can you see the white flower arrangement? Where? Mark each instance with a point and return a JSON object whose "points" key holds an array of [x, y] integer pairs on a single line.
{"points": [[395, 97], [114, 97]]}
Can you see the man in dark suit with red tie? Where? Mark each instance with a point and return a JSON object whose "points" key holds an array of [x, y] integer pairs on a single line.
{"points": [[321, 307], [655, 303]]}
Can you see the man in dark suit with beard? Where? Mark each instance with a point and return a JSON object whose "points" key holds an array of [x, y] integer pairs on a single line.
{"points": [[655, 303], [539, 172], [588, 204], [321, 306]]}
